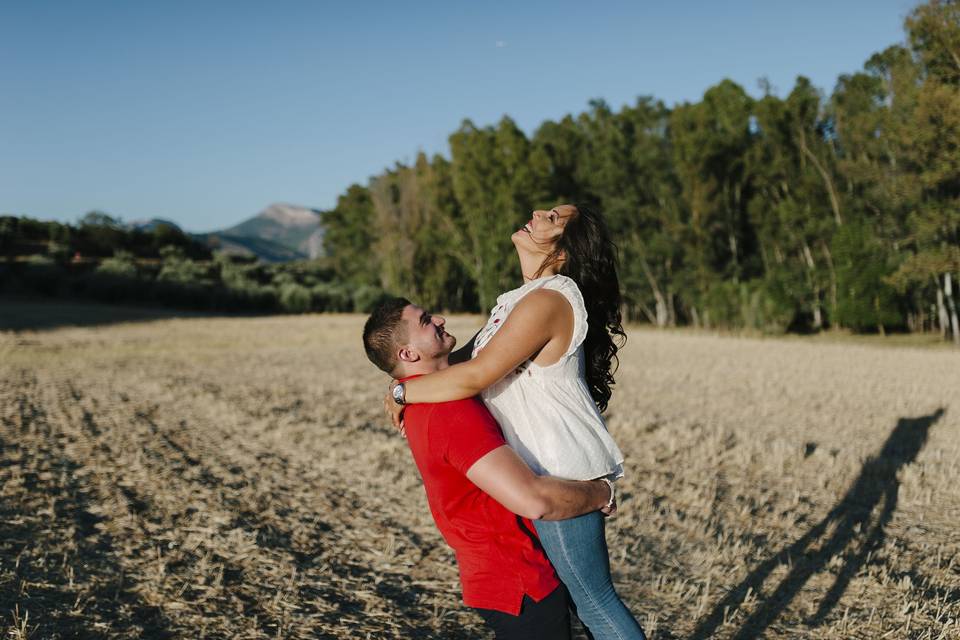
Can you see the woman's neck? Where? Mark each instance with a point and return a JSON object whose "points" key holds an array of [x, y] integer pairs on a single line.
{"points": [[530, 265]]}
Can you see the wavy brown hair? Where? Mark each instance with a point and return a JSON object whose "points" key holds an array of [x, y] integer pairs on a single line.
{"points": [[589, 258]]}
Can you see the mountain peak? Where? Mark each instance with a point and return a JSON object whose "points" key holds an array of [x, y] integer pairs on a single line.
{"points": [[289, 215], [278, 233]]}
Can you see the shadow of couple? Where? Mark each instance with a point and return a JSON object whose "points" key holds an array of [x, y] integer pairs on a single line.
{"points": [[855, 528]]}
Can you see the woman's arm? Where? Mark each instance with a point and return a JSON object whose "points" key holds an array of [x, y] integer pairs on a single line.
{"points": [[543, 315]]}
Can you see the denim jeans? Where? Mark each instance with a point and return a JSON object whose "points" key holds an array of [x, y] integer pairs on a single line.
{"points": [[578, 550]]}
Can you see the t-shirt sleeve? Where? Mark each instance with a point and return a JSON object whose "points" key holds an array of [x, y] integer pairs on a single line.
{"points": [[471, 434]]}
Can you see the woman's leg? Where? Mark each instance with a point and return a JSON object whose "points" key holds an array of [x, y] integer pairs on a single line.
{"points": [[578, 550]]}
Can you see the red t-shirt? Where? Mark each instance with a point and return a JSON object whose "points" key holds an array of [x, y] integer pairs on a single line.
{"points": [[499, 555]]}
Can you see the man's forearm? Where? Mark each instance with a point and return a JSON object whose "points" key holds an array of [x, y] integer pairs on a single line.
{"points": [[562, 499]]}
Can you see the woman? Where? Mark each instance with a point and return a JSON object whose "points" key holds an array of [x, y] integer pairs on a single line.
{"points": [[542, 365]]}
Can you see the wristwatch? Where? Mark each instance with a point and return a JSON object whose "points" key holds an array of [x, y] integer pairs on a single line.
{"points": [[399, 391]]}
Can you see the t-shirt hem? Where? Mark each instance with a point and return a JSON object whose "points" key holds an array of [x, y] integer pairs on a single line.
{"points": [[479, 602]]}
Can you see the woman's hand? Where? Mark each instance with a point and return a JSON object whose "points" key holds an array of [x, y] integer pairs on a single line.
{"points": [[393, 410], [612, 510]]}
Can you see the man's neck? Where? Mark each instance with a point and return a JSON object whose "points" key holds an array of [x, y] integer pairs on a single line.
{"points": [[424, 367]]}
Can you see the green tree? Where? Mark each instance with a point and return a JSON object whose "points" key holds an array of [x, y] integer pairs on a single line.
{"points": [[493, 183], [350, 236]]}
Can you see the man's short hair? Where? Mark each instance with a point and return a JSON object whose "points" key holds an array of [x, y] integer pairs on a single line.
{"points": [[384, 332]]}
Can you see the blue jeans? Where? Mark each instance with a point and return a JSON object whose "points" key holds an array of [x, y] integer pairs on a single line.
{"points": [[578, 550]]}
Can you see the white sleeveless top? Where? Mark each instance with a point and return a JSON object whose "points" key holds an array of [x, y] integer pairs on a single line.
{"points": [[546, 413]]}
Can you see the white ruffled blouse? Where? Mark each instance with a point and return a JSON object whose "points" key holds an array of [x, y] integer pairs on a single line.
{"points": [[546, 413]]}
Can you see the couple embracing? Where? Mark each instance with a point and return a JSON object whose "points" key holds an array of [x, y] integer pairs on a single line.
{"points": [[506, 432]]}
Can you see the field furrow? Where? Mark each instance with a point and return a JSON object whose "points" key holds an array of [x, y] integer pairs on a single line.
{"points": [[234, 478]]}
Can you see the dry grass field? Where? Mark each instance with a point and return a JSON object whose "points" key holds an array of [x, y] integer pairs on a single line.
{"points": [[234, 478]]}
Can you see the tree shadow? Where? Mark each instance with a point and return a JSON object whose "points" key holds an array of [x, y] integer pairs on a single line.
{"points": [[33, 313], [853, 533], [47, 525]]}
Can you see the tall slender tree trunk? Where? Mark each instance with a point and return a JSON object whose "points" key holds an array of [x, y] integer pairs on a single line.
{"points": [[942, 312], [661, 302], [828, 183], [876, 307], [650, 315], [815, 286], [671, 308], [951, 307], [833, 284]]}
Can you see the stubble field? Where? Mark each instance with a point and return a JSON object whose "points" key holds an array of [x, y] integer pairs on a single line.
{"points": [[235, 478]]}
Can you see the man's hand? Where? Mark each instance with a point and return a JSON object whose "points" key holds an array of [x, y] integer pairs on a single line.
{"points": [[393, 410]]}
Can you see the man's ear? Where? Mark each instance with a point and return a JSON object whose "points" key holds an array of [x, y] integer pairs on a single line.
{"points": [[406, 354]]}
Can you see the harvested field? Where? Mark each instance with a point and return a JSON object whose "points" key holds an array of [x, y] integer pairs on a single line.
{"points": [[234, 478]]}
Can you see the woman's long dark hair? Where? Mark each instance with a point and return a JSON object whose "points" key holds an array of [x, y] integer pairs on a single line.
{"points": [[590, 259]]}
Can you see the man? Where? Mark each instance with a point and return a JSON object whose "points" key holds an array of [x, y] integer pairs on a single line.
{"points": [[480, 492]]}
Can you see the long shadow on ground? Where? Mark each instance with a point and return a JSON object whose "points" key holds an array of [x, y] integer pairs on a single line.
{"points": [[44, 314], [56, 566], [855, 535]]}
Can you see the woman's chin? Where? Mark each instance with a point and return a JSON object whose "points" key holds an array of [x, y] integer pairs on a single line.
{"points": [[520, 238]]}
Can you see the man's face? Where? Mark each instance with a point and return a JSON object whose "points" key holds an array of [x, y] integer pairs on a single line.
{"points": [[425, 334]]}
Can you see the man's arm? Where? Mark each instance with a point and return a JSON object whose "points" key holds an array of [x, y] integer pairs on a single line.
{"points": [[505, 477]]}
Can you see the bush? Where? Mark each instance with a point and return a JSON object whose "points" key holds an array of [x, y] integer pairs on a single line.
{"points": [[328, 296], [121, 264], [766, 306], [865, 302], [106, 285], [178, 268], [42, 275], [366, 297], [295, 298]]}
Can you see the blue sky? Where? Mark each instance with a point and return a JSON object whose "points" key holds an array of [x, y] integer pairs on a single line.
{"points": [[206, 112]]}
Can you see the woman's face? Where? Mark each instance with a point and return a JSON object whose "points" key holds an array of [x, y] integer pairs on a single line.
{"points": [[540, 234]]}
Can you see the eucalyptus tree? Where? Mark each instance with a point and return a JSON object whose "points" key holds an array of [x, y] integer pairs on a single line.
{"points": [[709, 142], [556, 154], [493, 183], [871, 124], [934, 225], [398, 214], [350, 236], [439, 279], [625, 170]]}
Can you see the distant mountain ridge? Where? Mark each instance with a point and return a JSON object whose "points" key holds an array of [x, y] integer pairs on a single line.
{"points": [[280, 233], [151, 224]]}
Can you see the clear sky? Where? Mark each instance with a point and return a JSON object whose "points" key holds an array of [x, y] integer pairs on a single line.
{"points": [[204, 112]]}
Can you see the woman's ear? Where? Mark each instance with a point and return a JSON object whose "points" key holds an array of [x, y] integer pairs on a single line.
{"points": [[561, 258]]}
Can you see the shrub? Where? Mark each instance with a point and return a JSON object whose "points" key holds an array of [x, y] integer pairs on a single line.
{"points": [[328, 296], [366, 297], [295, 298], [121, 264], [42, 275]]}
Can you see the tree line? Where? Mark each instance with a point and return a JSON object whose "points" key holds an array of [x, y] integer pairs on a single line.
{"points": [[777, 214], [100, 259], [795, 213]]}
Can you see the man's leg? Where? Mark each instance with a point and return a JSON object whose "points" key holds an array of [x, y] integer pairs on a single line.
{"points": [[548, 619]]}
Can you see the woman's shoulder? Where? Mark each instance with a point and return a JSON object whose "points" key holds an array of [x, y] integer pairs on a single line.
{"points": [[557, 282], [568, 287]]}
